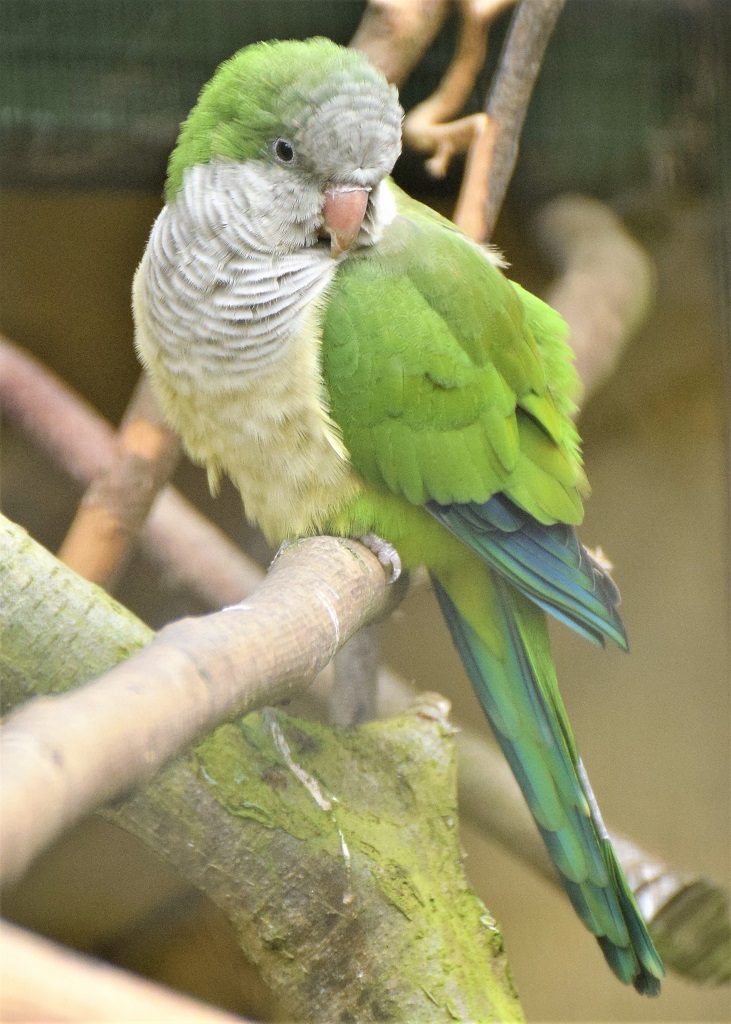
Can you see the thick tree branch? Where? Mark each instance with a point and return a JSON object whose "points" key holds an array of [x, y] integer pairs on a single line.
{"points": [[336, 858], [64, 756], [41, 981], [507, 105], [688, 915]]}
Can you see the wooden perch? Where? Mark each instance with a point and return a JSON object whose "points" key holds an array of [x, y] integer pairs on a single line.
{"points": [[66, 755], [41, 981], [335, 855], [91, 631]]}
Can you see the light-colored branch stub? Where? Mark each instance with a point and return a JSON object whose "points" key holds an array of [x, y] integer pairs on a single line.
{"points": [[118, 501]]}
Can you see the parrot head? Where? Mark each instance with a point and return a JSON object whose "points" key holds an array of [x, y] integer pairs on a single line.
{"points": [[314, 128]]}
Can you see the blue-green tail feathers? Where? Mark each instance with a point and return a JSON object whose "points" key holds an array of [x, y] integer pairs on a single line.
{"points": [[518, 691], [546, 563]]}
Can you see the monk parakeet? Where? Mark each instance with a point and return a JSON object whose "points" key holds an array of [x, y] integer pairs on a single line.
{"points": [[360, 367]]}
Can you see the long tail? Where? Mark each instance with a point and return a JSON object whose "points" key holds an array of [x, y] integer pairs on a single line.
{"points": [[518, 690]]}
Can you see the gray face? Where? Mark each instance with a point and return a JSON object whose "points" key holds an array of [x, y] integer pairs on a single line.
{"points": [[342, 130], [348, 136], [349, 133]]}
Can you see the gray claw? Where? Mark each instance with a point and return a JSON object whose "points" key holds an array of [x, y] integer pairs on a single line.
{"points": [[386, 553]]}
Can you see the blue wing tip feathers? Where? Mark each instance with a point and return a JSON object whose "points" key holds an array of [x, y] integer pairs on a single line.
{"points": [[547, 563]]}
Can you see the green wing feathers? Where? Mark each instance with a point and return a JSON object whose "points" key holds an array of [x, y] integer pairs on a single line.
{"points": [[437, 375], [516, 685]]}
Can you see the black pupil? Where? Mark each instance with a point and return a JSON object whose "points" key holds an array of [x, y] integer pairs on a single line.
{"points": [[284, 150]]}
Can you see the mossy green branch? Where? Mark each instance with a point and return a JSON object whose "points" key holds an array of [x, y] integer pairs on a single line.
{"points": [[58, 631], [335, 854]]}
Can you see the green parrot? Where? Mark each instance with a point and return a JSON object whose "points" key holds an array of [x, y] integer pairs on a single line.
{"points": [[360, 367]]}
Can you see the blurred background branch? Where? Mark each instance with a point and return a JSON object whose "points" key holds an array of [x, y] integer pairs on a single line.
{"points": [[42, 981], [183, 547], [116, 506]]}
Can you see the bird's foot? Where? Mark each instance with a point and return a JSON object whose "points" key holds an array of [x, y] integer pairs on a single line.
{"points": [[386, 553]]}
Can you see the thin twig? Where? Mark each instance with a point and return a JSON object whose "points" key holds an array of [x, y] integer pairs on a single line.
{"points": [[520, 62], [41, 981], [117, 503], [429, 127]]}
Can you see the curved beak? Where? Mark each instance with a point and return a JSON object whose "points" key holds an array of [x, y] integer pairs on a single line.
{"points": [[342, 215]]}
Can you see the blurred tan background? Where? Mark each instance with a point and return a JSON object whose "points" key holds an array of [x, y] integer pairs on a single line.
{"points": [[653, 727]]}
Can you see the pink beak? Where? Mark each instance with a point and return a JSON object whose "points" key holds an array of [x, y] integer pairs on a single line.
{"points": [[342, 213]]}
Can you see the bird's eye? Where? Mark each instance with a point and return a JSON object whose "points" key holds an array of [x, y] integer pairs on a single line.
{"points": [[284, 151]]}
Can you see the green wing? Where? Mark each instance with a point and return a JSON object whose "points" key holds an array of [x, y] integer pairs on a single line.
{"points": [[449, 382]]}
